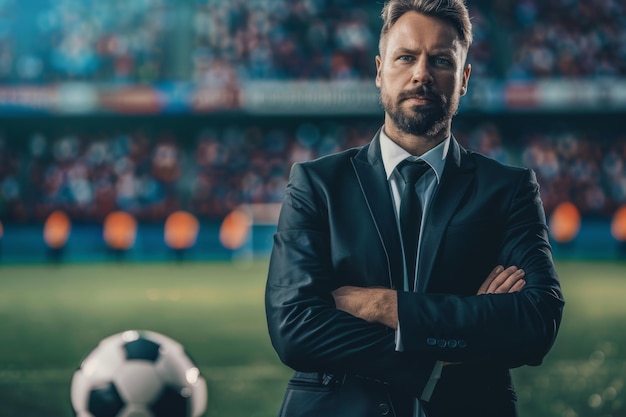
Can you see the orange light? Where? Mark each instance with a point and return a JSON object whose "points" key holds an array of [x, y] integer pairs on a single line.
{"points": [[181, 230], [235, 229], [618, 224], [565, 222], [56, 229], [120, 230]]}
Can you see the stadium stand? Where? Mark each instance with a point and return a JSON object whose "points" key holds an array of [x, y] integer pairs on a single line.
{"points": [[162, 105], [218, 169], [116, 41]]}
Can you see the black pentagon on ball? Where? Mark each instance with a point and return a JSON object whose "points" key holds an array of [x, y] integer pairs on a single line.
{"points": [[142, 349], [171, 403], [105, 401]]}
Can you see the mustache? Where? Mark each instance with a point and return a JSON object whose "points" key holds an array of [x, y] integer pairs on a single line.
{"points": [[421, 92]]}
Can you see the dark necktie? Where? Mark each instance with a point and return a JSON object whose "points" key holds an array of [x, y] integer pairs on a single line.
{"points": [[411, 214]]}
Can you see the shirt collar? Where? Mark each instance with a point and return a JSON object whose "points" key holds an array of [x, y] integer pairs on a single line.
{"points": [[393, 154]]}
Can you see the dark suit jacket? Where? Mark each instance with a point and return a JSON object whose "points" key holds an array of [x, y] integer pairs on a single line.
{"points": [[337, 227]]}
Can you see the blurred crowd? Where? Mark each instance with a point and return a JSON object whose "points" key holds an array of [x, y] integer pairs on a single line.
{"points": [[152, 172], [150, 175], [214, 170], [568, 38], [218, 41], [45, 41], [586, 168]]}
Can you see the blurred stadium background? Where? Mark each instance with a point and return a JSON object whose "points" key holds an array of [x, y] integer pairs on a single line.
{"points": [[123, 113]]}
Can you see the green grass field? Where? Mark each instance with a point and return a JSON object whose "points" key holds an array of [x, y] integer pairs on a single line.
{"points": [[51, 316]]}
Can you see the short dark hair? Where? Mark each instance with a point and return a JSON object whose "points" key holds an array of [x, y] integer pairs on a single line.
{"points": [[452, 11]]}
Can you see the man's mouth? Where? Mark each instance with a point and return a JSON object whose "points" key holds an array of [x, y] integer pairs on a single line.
{"points": [[419, 100]]}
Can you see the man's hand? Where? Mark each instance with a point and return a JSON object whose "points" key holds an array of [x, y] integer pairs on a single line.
{"points": [[502, 281], [380, 305]]}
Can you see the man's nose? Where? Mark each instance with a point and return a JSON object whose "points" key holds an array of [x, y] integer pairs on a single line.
{"points": [[421, 72]]}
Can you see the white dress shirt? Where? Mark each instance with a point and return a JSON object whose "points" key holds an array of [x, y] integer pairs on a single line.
{"points": [[392, 155]]}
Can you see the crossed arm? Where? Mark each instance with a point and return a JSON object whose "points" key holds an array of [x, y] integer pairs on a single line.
{"points": [[380, 305], [314, 328]]}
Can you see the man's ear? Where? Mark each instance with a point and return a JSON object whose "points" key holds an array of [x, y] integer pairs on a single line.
{"points": [[466, 76], [379, 61]]}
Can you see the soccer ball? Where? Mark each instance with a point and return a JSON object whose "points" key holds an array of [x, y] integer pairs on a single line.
{"points": [[138, 374]]}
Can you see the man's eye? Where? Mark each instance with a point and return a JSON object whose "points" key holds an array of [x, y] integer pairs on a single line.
{"points": [[405, 58], [443, 61]]}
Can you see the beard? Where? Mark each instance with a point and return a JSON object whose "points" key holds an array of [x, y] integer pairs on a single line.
{"points": [[420, 120]]}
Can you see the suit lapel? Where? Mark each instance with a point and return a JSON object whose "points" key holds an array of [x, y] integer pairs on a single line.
{"points": [[456, 179], [370, 172]]}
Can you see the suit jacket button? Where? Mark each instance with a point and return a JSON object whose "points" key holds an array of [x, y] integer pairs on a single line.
{"points": [[462, 343], [452, 343], [384, 409], [442, 343], [431, 341]]}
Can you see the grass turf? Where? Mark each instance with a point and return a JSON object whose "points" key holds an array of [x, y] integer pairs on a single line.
{"points": [[52, 316]]}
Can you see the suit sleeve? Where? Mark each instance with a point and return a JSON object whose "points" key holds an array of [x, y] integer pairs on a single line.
{"points": [[306, 330], [511, 329]]}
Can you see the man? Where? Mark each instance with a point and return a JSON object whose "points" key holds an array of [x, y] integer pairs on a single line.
{"points": [[374, 325]]}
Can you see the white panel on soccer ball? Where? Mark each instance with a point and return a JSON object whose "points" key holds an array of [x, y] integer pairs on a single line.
{"points": [[137, 381], [102, 364], [177, 369], [173, 365], [80, 391], [199, 397], [135, 410]]}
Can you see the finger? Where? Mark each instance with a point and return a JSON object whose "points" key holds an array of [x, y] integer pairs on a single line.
{"points": [[518, 286], [508, 284], [501, 278], [492, 275]]}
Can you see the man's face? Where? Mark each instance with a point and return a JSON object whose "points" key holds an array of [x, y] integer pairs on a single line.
{"points": [[420, 75]]}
